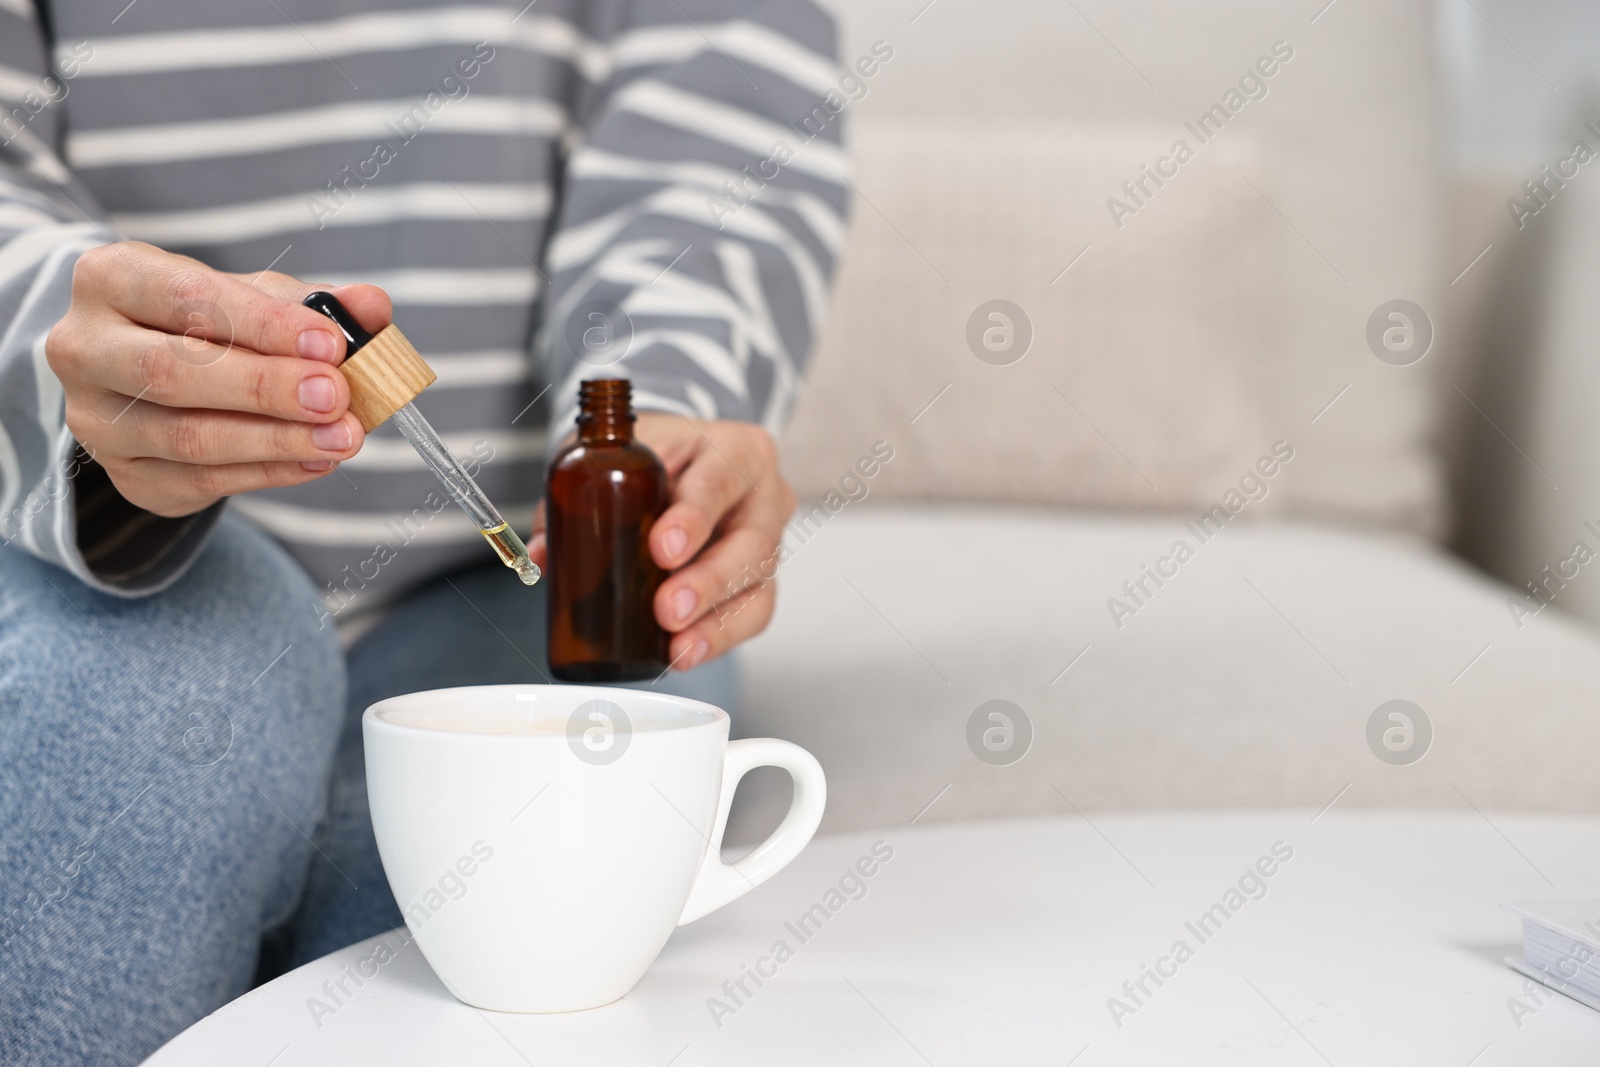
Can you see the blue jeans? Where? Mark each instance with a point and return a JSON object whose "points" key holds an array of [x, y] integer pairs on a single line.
{"points": [[181, 781]]}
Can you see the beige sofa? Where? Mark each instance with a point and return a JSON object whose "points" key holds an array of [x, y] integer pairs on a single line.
{"points": [[1174, 348]]}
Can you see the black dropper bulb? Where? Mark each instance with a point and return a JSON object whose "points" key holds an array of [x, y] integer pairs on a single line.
{"points": [[328, 304]]}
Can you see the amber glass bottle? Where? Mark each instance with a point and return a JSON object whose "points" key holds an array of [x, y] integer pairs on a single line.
{"points": [[605, 492]]}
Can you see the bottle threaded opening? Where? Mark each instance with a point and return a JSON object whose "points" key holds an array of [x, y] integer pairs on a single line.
{"points": [[605, 408], [611, 390]]}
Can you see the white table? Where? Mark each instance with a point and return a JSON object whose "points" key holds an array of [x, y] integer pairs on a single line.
{"points": [[1380, 941]]}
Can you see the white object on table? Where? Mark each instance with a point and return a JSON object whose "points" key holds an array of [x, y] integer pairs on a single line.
{"points": [[1380, 939], [567, 908]]}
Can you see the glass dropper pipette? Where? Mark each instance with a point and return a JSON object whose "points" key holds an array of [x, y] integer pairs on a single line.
{"points": [[437, 455]]}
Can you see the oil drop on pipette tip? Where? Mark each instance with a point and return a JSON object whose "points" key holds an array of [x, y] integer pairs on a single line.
{"points": [[512, 552]]}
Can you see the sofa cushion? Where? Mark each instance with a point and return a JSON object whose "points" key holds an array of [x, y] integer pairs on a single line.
{"points": [[1144, 380], [1247, 679], [988, 147]]}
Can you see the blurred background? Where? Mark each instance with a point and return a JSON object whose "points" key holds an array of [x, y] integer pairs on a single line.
{"points": [[1168, 317], [1378, 166], [1520, 84]]}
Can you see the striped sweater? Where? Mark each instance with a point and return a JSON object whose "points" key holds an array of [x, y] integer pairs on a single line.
{"points": [[572, 188]]}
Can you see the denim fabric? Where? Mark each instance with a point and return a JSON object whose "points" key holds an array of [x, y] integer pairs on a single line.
{"points": [[181, 777]]}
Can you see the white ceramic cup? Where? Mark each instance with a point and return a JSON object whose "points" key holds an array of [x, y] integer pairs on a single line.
{"points": [[543, 841]]}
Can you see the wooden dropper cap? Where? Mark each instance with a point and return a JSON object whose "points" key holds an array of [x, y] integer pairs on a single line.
{"points": [[384, 371]]}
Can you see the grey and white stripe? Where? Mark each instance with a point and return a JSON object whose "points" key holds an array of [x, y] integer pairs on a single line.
{"points": [[498, 169]]}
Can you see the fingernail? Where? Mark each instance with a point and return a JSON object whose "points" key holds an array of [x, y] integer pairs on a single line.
{"points": [[674, 541], [317, 344], [335, 437], [317, 394], [317, 466], [696, 655], [683, 602]]}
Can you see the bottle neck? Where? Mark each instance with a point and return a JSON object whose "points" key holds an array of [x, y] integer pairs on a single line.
{"points": [[605, 412]]}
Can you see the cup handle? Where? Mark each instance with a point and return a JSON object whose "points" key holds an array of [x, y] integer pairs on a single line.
{"points": [[719, 882]]}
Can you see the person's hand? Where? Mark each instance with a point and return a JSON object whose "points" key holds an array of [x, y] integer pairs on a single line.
{"points": [[719, 537], [188, 385]]}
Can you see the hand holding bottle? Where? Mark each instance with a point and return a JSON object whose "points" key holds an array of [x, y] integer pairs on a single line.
{"points": [[718, 537]]}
